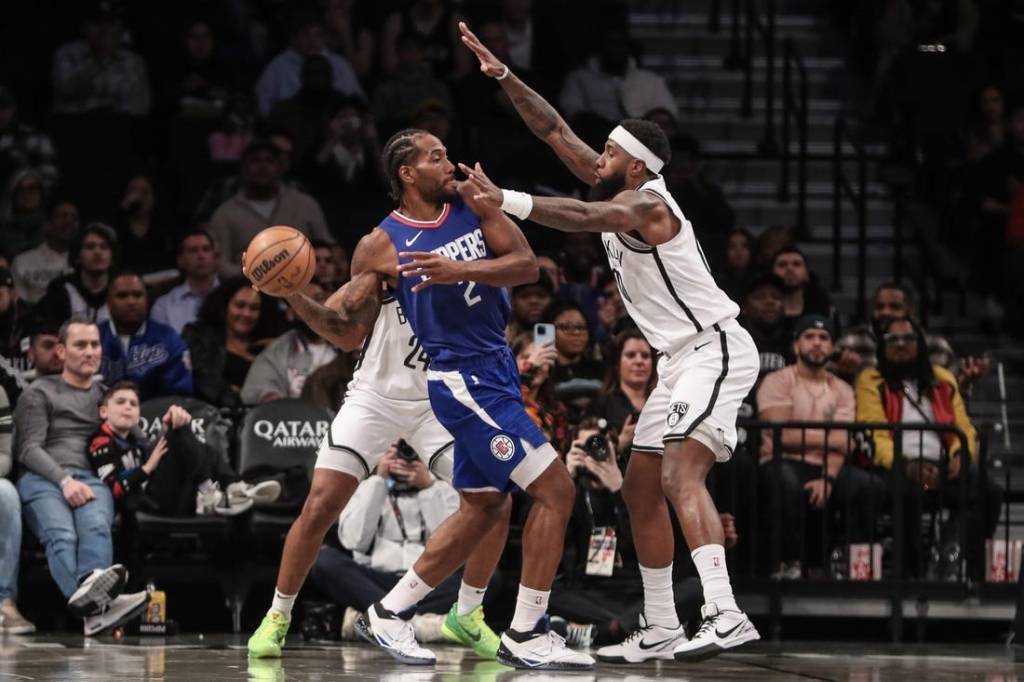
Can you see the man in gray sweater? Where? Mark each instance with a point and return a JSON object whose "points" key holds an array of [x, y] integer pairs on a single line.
{"points": [[65, 505], [11, 621]]}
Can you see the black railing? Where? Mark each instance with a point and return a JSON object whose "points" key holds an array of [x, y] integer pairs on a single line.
{"points": [[856, 191], [760, 26], [885, 491], [794, 113]]}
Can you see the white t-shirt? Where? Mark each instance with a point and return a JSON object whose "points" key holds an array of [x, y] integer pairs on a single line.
{"points": [[916, 444]]}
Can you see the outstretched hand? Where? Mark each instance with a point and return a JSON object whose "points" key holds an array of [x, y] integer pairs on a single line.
{"points": [[479, 188], [489, 64]]}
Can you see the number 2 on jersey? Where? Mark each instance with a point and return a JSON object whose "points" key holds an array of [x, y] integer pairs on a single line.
{"points": [[471, 300], [416, 355]]}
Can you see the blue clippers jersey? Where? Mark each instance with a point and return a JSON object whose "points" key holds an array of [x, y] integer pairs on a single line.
{"points": [[452, 321]]}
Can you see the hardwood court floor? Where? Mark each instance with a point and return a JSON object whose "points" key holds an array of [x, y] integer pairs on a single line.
{"points": [[223, 657]]}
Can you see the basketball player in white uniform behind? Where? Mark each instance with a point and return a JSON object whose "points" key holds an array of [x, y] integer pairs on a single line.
{"points": [[386, 400], [708, 362]]}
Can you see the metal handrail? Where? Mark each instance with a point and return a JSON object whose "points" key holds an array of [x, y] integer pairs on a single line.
{"points": [[843, 187], [764, 28], [794, 112]]}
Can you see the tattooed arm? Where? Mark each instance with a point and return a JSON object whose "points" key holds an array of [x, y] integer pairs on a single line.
{"points": [[541, 118]]}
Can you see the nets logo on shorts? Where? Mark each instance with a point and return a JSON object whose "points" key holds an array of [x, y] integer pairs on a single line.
{"points": [[503, 448], [676, 412]]}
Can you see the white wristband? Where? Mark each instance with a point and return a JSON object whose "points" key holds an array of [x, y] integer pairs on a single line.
{"points": [[519, 204], [504, 74]]}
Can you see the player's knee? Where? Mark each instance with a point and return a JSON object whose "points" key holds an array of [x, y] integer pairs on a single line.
{"points": [[321, 508], [678, 484]]}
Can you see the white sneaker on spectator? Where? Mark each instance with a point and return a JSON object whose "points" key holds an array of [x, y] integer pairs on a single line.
{"points": [[348, 625], [11, 620], [427, 627], [117, 612], [540, 651], [720, 631], [233, 505], [645, 643], [394, 635], [208, 496], [97, 590], [264, 492]]}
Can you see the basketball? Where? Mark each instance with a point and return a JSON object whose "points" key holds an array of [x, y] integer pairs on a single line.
{"points": [[280, 260]]}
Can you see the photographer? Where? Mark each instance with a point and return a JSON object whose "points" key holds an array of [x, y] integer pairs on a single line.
{"points": [[382, 531]]}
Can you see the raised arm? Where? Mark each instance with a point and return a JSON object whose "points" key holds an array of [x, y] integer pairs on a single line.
{"points": [[539, 116], [349, 314]]}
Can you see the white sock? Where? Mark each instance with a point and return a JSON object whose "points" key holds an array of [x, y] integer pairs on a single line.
{"points": [[659, 601], [406, 593], [283, 603], [530, 607], [469, 598], [714, 576]]}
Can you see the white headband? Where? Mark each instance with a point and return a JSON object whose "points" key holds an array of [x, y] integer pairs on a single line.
{"points": [[636, 148]]}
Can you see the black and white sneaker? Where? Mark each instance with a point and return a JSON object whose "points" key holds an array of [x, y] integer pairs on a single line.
{"points": [[117, 612], [539, 650], [720, 631], [644, 644], [97, 590], [394, 635]]}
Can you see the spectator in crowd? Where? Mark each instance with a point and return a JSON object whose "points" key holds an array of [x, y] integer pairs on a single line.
{"points": [[304, 115], [176, 475], [627, 385], [12, 317], [143, 232], [761, 315], [543, 406], [892, 301], [42, 359], [22, 147], [736, 276], [233, 324], [11, 620], [397, 98], [328, 385], [702, 201], [95, 72], [34, 269], [576, 374], [332, 266], [436, 24], [529, 301], [666, 121], [236, 130], [382, 532], [84, 290], [283, 76], [612, 316], [197, 260], [261, 202], [612, 85], [148, 353], [986, 131], [551, 264], [22, 212], [520, 31], [803, 294], [65, 506], [906, 388], [348, 154], [772, 240], [812, 469], [202, 80], [350, 32], [281, 369]]}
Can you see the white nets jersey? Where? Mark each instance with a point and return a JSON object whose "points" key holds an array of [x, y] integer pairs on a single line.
{"points": [[668, 289], [392, 363]]}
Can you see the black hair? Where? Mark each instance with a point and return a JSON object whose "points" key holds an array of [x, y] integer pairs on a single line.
{"points": [[194, 232], [920, 370], [650, 135], [764, 279], [213, 312], [893, 285], [122, 385], [302, 20], [125, 272], [399, 151], [104, 232], [561, 305], [57, 201], [611, 377], [320, 244], [262, 144], [789, 249], [42, 327]]}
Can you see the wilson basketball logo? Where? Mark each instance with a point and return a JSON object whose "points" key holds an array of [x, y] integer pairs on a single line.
{"points": [[503, 448], [267, 264]]}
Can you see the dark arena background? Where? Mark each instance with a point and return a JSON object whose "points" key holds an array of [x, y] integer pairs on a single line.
{"points": [[853, 171]]}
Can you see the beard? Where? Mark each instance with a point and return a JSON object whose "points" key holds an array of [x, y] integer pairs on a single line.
{"points": [[813, 360], [606, 188], [902, 371]]}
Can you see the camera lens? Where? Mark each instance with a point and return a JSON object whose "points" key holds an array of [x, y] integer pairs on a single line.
{"points": [[596, 447], [406, 453]]}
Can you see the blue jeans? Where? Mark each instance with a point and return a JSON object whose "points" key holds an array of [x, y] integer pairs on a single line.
{"points": [[10, 540], [77, 540]]}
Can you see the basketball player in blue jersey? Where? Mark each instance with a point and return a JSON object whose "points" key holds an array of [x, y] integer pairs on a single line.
{"points": [[448, 260], [708, 362]]}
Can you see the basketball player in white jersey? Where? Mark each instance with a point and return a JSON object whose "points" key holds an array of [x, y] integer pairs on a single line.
{"points": [[386, 401], [708, 362]]}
